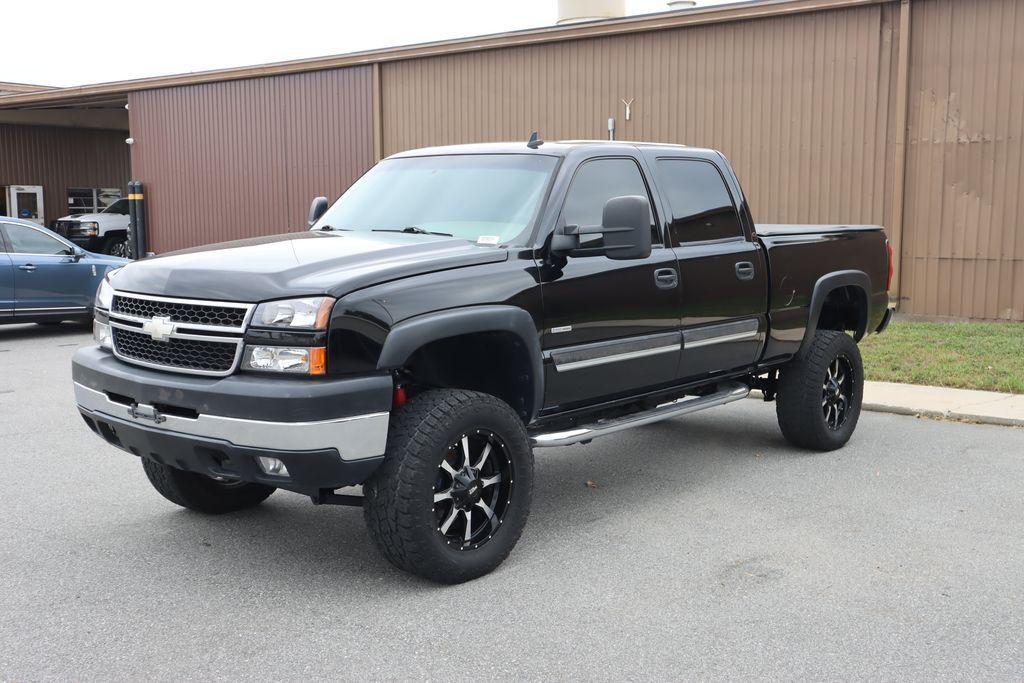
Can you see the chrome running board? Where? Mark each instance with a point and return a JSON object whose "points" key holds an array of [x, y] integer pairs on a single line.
{"points": [[727, 393]]}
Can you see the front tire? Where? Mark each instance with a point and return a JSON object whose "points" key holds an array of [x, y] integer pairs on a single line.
{"points": [[116, 245], [201, 493], [820, 393], [453, 494]]}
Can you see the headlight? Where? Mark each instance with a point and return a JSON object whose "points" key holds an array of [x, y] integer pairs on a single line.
{"points": [[299, 360], [101, 334], [105, 294], [87, 229], [312, 313]]}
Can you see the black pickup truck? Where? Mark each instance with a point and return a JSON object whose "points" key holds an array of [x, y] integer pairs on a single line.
{"points": [[460, 306]]}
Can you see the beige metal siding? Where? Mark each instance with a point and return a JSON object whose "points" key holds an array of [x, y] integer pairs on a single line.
{"points": [[800, 104], [244, 158], [963, 249]]}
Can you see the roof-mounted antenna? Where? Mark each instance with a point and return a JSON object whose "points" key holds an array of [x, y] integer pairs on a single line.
{"points": [[535, 141]]}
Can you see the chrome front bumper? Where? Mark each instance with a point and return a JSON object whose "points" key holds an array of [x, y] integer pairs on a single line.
{"points": [[355, 438]]}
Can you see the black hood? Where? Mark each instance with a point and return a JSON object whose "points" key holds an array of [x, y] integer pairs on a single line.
{"points": [[298, 264]]}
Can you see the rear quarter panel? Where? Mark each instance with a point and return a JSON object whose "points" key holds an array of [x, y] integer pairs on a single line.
{"points": [[798, 259]]}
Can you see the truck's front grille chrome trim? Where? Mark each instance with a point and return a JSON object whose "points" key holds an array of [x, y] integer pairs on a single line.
{"points": [[197, 314], [727, 393], [209, 334], [126, 350]]}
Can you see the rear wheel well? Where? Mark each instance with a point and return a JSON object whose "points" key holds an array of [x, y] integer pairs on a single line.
{"points": [[495, 363], [846, 310]]}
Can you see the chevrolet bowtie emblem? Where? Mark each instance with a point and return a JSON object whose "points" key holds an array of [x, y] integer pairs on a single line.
{"points": [[160, 328]]}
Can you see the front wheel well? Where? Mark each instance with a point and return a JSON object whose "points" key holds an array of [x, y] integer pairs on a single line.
{"points": [[845, 309], [496, 363]]}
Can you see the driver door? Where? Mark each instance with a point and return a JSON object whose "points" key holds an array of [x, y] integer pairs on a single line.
{"points": [[47, 276], [611, 327]]}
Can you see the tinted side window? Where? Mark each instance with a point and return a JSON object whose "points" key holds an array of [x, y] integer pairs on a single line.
{"points": [[594, 184], [702, 208], [28, 241]]}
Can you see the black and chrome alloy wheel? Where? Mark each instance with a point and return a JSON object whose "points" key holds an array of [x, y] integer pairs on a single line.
{"points": [[473, 489], [837, 392], [820, 391], [453, 494]]}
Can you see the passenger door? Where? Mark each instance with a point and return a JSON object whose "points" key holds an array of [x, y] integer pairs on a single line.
{"points": [[722, 268], [48, 279], [611, 327]]}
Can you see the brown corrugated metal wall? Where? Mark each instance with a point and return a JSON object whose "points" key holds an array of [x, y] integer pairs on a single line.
{"points": [[802, 105], [809, 107], [244, 158], [963, 248], [59, 158]]}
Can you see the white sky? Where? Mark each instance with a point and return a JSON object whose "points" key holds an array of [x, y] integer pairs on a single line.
{"points": [[70, 42]]}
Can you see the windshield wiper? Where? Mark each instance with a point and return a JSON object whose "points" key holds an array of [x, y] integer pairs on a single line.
{"points": [[326, 228], [413, 230]]}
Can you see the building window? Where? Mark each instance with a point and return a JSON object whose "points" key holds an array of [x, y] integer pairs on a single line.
{"points": [[90, 199]]}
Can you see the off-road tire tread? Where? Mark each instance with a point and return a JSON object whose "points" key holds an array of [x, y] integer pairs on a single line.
{"points": [[798, 400], [388, 507], [189, 490]]}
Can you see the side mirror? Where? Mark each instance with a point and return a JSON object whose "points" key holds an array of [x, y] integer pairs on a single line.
{"points": [[626, 224], [317, 209], [77, 253], [625, 228]]}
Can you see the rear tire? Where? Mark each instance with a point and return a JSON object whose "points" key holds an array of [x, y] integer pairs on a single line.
{"points": [[201, 493], [819, 394], [453, 494]]}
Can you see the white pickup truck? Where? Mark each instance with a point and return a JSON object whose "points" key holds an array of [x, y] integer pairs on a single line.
{"points": [[105, 232]]}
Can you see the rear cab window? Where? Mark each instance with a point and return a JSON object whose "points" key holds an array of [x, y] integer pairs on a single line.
{"points": [[701, 205]]}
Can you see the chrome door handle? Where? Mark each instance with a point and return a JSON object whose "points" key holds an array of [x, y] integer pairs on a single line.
{"points": [[666, 278], [28, 267], [745, 270]]}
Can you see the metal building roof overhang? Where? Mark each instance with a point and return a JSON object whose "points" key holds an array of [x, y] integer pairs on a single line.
{"points": [[114, 94]]}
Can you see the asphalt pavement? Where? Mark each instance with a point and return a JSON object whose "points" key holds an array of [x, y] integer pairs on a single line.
{"points": [[707, 548]]}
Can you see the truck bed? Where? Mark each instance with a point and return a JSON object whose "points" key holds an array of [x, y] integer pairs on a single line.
{"points": [[799, 256]]}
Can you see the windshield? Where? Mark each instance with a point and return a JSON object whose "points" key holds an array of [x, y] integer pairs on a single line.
{"points": [[486, 198], [120, 206]]}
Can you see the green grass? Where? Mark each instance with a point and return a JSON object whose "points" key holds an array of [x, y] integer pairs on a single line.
{"points": [[987, 356]]}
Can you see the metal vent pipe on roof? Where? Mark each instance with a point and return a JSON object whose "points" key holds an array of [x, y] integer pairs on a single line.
{"points": [[575, 11]]}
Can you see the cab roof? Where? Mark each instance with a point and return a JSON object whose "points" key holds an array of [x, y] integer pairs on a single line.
{"points": [[556, 148]]}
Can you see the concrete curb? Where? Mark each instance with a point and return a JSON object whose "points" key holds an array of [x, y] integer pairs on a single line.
{"points": [[941, 403]]}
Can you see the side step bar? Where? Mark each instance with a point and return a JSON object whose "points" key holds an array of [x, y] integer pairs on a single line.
{"points": [[727, 393]]}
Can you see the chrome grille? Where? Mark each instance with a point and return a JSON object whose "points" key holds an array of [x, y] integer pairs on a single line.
{"points": [[180, 335], [64, 228], [215, 315], [176, 353]]}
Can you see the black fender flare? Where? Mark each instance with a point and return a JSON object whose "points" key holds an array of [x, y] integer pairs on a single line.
{"points": [[823, 287], [406, 337]]}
